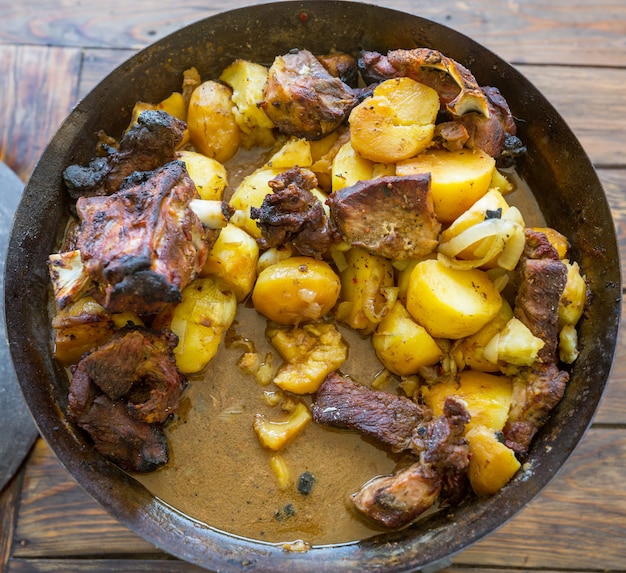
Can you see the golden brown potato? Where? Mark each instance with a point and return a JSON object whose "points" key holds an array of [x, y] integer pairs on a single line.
{"points": [[310, 352], [402, 345], [296, 290], [247, 80], [208, 174], [213, 129], [276, 434], [206, 311], [451, 303], [492, 464], [233, 258], [368, 290], [396, 123], [458, 178], [488, 397]]}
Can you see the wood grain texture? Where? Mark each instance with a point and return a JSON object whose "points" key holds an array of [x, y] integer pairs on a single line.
{"points": [[42, 83], [581, 512], [576, 32]]}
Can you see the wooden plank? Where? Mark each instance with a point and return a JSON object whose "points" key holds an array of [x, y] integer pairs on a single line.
{"points": [[580, 32], [58, 519], [101, 566], [9, 505], [590, 114], [39, 89], [577, 522]]}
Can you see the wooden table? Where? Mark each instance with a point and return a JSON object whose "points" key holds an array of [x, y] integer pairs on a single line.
{"points": [[53, 51]]}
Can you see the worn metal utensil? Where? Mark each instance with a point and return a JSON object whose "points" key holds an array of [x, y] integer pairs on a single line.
{"points": [[17, 429]]}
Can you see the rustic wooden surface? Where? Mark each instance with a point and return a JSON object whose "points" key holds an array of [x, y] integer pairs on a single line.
{"points": [[53, 51]]}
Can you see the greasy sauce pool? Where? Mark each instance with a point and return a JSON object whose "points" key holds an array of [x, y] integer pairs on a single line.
{"points": [[220, 474]]}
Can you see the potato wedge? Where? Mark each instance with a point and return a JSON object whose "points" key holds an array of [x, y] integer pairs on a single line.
{"points": [[402, 345], [208, 174], [492, 465], [213, 129], [368, 290], [247, 80], [206, 311], [488, 397], [451, 303], [233, 258], [296, 290], [295, 151], [396, 123], [458, 178]]}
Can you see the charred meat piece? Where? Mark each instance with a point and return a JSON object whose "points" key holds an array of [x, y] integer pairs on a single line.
{"points": [[303, 99], [536, 391], [390, 216], [389, 419], [293, 215], [396, 500], [123, 392], [138, 365], [143, 244], [148, 144], [133, 445], [481, 110], [538, 246], [343, 66]]}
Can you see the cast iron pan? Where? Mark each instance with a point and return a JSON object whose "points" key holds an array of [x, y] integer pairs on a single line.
{"points": [[557, 169]]}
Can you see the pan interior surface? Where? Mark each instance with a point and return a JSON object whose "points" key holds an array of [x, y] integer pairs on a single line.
{"points": [[556, 168]]}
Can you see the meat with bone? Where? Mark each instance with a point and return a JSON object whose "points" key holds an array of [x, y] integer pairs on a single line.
{"points": [[123, 392], [389, 419], [391, 216], [303, 99], [480, 110], [143, 244], [537, 388], [148, 144], [443, 456], [293, 215]]}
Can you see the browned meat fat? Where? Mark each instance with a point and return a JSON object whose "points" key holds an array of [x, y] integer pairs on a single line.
{"points": [[397, 500], [303, 99], [143, 244], [390, 216], [148, 144]]}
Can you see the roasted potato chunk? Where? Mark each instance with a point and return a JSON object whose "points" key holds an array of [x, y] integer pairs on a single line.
{"points": [[451, 303], [396, 123], [296, 290], [310, 352], [208, 174], [213, 129]]}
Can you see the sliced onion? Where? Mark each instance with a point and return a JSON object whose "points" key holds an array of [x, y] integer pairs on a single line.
{"points": [[513, 249], [473, 234]]}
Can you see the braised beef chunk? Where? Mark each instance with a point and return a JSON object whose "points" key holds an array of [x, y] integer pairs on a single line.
{"points": [[390, 216], [343, 66], [148, 144], [123, 392], [133, 445], [395, 501], [439, 474], [536, 391], [390, 419], [143, 244], [293, 215], [541, 285], [139, 365], [538, 246], [303, 99]]}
